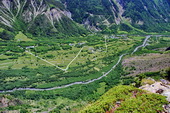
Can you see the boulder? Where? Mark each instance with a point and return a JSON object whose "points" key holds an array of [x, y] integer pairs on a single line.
{"points": [[158, 87]]}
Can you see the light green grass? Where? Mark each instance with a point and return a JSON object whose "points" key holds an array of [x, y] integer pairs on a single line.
{"points": [[1, 29], [4, 57], [52, 104], [166, 38], [122, 32], [63, 57], [21, 37], [135, 29], [102, 89], [5, 64], [138, 37], [90, 64]]}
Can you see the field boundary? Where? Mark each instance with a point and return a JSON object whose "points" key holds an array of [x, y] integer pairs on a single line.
{"points": [[80, 82]]}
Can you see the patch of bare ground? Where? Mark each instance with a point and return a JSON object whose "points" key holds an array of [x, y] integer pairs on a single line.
{"points": [[152, 62], [160, 49], [7, 102], [162, 88]]}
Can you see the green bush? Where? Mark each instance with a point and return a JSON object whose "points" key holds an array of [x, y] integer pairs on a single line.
{"points": [[131, 100], [6, 35]]}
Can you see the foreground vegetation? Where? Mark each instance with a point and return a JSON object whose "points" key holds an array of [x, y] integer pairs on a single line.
{"points": [[121, 99]]}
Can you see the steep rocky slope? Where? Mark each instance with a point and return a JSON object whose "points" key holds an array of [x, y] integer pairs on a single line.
{"points": [[150, 15], [38, 17], [51, 17]]}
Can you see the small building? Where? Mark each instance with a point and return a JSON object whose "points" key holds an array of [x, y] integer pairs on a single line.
{"points": [[81, 43], [30, 47], [71, 44]]}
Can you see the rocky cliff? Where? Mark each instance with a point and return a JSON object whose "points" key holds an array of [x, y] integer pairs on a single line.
{"points": [[51, 17]]}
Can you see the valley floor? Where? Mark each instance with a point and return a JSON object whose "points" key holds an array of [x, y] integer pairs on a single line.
{"points": [[75, 70]]}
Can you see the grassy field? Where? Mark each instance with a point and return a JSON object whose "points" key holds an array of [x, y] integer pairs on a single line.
{"points": [[63, 57], [89, 63], [37, 70], [92, 61], [21, 37]]}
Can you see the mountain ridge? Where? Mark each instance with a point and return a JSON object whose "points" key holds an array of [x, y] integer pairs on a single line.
{"points": [[66, 17]]}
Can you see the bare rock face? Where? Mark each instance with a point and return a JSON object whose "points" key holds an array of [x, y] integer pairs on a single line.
{"points": [[33, 10], [167, 108], [28, 14], [158, 87], [165, 82], [5, 102], [160, 91], [161, 88], [12, 111]]}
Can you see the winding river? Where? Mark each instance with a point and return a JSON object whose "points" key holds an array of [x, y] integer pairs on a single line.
{"points": [[81, 82]]}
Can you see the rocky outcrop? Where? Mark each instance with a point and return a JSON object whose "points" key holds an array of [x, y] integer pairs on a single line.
{"points": [[95, 15], [6, 102], [37, 17], [145, 14], [162, 88], [158, 87]]}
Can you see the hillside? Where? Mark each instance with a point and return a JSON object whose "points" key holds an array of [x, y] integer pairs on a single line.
{"points": [[147, 15], [38, 18], [59, 56], [64, 75], [69, 17], [121, 99]]}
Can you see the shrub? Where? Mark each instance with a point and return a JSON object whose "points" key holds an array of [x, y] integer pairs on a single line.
{"points": [[131, 100]]}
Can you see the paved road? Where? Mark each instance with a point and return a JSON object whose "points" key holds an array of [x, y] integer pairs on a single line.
{"points": [[143, 45], [81, 82]]}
